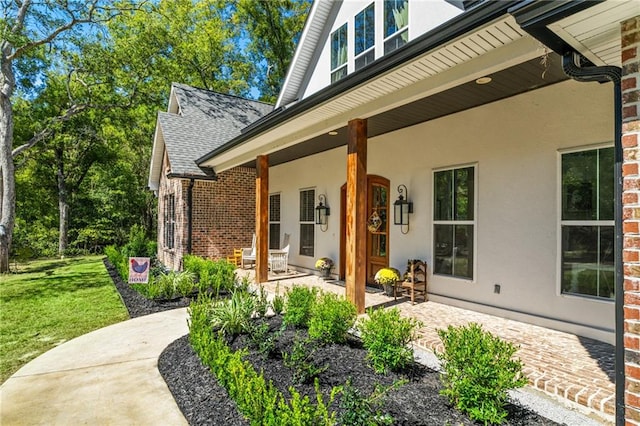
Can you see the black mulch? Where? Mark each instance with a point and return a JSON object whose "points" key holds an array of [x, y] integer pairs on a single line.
{"points": [[204, 402]]}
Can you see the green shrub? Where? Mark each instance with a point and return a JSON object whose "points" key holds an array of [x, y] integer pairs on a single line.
{"points": [[233, 316], [301, 361], [256, 398], [360, 410], [479, 368], [262, 338], [300, 301], [166, 285], [261, 302], [386, 336], [331, 318], [277, 304], [137, 243], [218, 275], [113, 254]]}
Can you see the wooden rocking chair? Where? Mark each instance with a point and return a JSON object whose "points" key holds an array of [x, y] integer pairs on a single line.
{"points": [[415, 281]]}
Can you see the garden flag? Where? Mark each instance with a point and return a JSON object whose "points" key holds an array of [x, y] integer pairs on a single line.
{"points": [[139, 269]]}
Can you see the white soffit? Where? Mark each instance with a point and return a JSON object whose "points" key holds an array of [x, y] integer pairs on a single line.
{"points": [[595, 32], [494, 47]]}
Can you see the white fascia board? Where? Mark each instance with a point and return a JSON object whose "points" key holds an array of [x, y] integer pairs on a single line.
{"points": [[323, 118], [174, 105], [156, 158]]}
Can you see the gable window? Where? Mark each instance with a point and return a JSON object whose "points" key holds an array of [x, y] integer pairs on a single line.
{"points": [[365, 30], [454, 222], [339, 53], [169, 221], [307, 222], [274, 221], [587, 223], [396, 21]]}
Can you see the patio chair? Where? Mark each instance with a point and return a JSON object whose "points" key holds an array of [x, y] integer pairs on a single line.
{"points": [[415, 281], [249, 254], [279, 259]]}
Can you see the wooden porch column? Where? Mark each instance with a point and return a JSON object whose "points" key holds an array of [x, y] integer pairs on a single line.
{"points": [[356, 241], [262, 218]]}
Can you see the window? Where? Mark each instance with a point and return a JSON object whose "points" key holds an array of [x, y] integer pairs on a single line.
{"points": [[274, 221], [587, 223], [339, 53], [307, 223], [169, 221], [396, 20], [365, 30], [454, 222]]}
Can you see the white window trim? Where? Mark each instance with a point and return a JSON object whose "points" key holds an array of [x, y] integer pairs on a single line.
{"points": [[375, 27], [346, 62], [311, 222], [406, 27], [560, 222], [473, 222]]}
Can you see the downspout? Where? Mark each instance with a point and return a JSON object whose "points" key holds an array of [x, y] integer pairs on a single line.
{"points": [[190, 215], [572, 68]]}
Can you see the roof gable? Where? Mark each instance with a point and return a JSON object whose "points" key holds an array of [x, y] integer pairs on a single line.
{"points": [[198, 121]]}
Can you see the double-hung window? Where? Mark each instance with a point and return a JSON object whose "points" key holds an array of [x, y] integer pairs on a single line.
{"points": [[339, 53], [274, 221], [365, 30], [454, 222], [396, 22], [307, 223], [587, 223], [169, 221]]}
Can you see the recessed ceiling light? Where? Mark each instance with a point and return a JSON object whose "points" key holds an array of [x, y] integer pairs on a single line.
{"points": [[333, 133], [483, 80]]}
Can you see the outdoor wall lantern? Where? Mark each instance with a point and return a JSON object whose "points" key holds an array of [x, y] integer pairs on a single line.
{"points": [[322, 213], [401, 209]]}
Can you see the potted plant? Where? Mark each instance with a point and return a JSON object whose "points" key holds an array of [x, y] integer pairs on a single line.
{"points": [[324, 265], [387, 277]]}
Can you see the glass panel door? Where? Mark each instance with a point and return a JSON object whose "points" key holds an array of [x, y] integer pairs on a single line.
{"points": [[377, 225]]}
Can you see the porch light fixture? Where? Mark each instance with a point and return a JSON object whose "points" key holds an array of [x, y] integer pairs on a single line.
{"points": [[401, 209], [484, 80], [322, 213], [333, 133]]}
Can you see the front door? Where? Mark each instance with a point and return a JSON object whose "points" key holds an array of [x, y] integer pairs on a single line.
{"points": [[377, 225]]}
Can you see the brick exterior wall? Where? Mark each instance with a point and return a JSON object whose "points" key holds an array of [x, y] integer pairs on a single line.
{"points": [[630, 32], [223, 215]]}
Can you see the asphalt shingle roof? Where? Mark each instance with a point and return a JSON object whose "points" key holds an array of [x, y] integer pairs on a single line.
{"points": [[206, 120]]}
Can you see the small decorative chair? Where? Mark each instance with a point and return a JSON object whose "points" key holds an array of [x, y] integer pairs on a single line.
{"points": [[415, 280], [249, 254], [279, 259]]}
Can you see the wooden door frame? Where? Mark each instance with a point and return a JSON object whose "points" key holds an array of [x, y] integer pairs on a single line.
{"points": [[343, 225]]}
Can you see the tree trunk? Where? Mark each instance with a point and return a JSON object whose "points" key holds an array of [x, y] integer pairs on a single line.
{"points": [[7, 179], [63, 204]]}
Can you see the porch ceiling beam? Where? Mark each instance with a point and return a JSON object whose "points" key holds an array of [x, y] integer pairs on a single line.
{"points": [[323, 118], [356, 239], [262, 219]]}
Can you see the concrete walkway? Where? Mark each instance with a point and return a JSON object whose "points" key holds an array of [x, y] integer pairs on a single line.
{"points": [[106, 377]]}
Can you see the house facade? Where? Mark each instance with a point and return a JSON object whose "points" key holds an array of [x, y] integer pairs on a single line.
{"points": [[199, 211], [510, 127]]}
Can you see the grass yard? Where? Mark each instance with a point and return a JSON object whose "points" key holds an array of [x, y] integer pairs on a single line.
{"points": [[48, 302]]}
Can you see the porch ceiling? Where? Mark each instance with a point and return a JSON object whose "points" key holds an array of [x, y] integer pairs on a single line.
{"points": [[509, 82]]}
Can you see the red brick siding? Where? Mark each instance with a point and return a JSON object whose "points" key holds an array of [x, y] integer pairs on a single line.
{"points": [[223, 215], [630, 32]]}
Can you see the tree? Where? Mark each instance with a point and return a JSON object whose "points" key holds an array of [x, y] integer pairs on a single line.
{"points": [[273, 29], [26, 28]]}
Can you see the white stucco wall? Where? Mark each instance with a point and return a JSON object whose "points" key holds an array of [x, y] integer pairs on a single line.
{"points": [[515, 144], [423, 16]]}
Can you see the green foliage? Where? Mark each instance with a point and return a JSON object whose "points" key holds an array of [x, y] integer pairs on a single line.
{"points": [[479, 368], [255, 397], [218, 275], [233, 316], [360, 410], [277, 303], [301, 360], [167, 285], [300, 301], [386, 336], [331, 318], [261, 302], [113, 254], [262, 338]]}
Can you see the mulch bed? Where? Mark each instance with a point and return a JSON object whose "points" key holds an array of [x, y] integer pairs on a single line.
{"points": [[204, 402]]}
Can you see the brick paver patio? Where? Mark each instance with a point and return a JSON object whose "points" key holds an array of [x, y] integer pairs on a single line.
{"points": [[570, 368]]}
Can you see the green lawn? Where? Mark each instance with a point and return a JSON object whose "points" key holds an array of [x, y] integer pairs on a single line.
{"points": [[48, 302]]}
